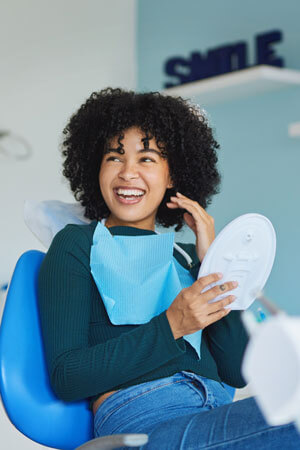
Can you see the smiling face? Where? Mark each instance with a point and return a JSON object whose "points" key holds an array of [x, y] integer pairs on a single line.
{"points": [[133, 179]]}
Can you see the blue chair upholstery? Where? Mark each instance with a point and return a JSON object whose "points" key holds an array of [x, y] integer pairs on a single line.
{"points": [[26, 393]]}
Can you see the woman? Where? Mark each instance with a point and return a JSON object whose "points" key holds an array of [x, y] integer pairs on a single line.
{"points": [[134, 160]]}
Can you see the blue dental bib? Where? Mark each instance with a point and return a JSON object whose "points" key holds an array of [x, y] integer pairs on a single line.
{"points": [[138, 277]]}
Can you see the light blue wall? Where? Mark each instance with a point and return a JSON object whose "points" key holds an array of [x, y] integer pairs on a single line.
{"points": [[259, 163]]}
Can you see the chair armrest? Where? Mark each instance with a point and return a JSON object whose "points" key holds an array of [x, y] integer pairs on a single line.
{"points": [[115, 441]]}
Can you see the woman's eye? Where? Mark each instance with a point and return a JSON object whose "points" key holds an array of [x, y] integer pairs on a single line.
{"points": [[148, 159], [111, 158]]}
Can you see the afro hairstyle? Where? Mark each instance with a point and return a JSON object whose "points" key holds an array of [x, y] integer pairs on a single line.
{"points": [[181, 132]]}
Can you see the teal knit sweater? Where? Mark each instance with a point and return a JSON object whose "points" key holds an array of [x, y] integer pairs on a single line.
{"points": [[87, 355]]}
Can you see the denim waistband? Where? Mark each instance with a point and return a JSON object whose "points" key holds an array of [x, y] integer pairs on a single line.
{"points": [[201, 392]]}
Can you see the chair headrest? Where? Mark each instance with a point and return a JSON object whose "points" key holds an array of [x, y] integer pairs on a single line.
{"points": [[46, 218]]}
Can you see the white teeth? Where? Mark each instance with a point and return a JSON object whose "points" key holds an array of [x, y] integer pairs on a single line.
{"points": [[135, 192]]}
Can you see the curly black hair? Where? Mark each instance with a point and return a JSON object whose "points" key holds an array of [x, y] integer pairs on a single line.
{"points": [[181, 132]]}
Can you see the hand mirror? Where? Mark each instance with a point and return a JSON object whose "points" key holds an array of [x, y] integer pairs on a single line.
{"points": [[243, 251]]}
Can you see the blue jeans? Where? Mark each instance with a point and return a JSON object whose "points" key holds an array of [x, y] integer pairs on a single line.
{"points": [[188, 412]]}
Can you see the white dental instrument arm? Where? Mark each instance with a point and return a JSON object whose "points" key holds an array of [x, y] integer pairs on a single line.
{"points": [[272, 364]]}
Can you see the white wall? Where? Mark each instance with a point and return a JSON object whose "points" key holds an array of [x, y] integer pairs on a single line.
{"points": [[53, 55]]}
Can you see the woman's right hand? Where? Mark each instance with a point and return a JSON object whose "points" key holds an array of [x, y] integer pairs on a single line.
{"points": [[191, 310]]}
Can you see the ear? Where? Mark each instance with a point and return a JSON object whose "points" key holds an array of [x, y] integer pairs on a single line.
{"points": [[170, 184]]}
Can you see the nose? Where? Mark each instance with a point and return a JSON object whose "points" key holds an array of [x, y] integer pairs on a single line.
{"points": [[128, 171]]}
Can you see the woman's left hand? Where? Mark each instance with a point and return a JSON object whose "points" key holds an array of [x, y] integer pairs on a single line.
{"points": [[198, 220]]}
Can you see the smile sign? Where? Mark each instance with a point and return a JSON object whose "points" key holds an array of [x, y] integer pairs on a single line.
{"points": [[224, 59]]}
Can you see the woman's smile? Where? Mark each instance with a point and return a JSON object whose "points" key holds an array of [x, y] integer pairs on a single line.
{"points": [[129, 196]]}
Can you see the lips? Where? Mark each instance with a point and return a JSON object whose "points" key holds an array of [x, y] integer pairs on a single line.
{"points": [[129, 200]]}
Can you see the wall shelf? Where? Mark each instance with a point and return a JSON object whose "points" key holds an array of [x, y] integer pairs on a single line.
{"points": [[236, 85]]}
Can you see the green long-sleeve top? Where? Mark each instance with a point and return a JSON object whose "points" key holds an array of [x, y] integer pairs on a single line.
{"points": [[88, 356]]}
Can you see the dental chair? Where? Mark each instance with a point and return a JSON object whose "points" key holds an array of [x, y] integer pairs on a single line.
{"points": [[27, 397], [26, 394]]}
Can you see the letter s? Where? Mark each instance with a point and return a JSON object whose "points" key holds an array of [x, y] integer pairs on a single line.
{"points": [[172, 68]]}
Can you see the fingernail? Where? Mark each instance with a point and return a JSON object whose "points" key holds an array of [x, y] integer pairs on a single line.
{"points": [[233, 297], [235, 283], [220, 275], [178, 193]]}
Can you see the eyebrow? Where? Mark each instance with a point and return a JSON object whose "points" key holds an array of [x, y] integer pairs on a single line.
{"points": [[121, 151]]}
